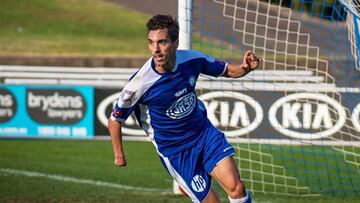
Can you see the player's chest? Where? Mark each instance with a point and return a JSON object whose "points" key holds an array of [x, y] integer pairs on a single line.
{"points": [[170, 89]]}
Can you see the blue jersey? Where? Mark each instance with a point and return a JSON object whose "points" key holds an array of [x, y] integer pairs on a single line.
{"points": [[165, 104]]}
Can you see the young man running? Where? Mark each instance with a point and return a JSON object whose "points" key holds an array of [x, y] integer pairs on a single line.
{"points": [[162, 96]]}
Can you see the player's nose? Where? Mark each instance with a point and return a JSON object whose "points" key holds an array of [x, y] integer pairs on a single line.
{"points": [[157, 49], [154, 47]]}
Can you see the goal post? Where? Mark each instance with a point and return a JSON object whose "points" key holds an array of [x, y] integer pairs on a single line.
{"points": [[185, 33], [185, 23], [295, 121]]}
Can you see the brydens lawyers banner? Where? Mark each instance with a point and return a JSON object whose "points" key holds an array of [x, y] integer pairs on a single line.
{"points": [[261, 114], [46, 111]]}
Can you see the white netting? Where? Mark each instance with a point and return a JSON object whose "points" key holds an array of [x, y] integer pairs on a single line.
{"points": [[307, 140]]}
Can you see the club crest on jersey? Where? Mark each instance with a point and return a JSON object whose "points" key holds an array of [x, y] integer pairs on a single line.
{"points": [[182, 107], [192, 81]]}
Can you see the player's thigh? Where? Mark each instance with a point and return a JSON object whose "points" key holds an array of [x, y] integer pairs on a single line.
{"points": [[189, 173], [211, 198], [227, 174]]}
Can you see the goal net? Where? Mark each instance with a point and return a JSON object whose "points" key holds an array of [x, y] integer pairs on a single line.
{"points": [[295, 121]]}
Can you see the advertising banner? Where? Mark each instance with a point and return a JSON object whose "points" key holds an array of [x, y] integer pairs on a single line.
{"points": [[46, 111], [261, 114]]}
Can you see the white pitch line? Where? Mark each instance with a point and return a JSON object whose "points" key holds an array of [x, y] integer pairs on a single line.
{"points": [[81, 181]]}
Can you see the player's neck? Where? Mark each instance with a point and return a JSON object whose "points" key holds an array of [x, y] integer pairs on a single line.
{"points": [[164, 68]]}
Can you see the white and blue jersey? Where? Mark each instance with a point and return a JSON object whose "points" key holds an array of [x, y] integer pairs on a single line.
{"points": [[165, 104], [167, 108]]}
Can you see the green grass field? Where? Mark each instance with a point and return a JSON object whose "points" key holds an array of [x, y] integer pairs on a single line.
{"points": [[71, 27], [83, 171], [82, 160]]}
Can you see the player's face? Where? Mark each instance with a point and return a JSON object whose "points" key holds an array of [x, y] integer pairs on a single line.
{"points": [[162, 49]]}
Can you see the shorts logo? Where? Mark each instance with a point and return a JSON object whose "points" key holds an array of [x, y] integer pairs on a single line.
{"points": [[182, 107], [198, 183]]}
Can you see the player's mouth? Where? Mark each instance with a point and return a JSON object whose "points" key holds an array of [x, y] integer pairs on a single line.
{"points": [[159, 57]]}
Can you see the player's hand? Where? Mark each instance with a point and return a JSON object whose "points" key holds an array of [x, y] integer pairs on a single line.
{"points": [[120, 161], [251, 61]]}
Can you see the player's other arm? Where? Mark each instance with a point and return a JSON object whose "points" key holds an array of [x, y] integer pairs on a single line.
{"points": [[116, 139], [249, 63]]}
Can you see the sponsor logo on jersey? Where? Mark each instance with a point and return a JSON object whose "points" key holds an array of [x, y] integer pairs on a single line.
{"points": [[307, 116], [182, 107], [181, 92], [8, 105], [235, 113], [58, 106], [198, 183]]}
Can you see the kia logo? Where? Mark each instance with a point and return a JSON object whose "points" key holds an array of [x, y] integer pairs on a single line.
{"points": [[228, 111], [312, 114]]}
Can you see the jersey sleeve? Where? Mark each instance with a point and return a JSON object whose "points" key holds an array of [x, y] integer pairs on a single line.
{"points": [[133, 93], [213, 67], [128, 100], [124, 106]]}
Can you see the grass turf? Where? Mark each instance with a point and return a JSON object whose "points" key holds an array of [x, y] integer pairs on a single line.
{"points": [[93, 160], [71, 27]]}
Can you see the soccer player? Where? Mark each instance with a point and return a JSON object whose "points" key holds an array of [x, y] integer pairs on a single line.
{"points": [[162, 96]]}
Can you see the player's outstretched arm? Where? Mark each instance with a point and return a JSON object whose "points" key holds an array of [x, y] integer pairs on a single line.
{"points": [[250, 62], [116, 139]]}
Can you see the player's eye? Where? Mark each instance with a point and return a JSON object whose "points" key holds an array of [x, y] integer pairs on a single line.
{"points": [[163, 42]]}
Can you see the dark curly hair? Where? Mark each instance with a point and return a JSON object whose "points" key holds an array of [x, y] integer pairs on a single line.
{"points": [[164, 21]]}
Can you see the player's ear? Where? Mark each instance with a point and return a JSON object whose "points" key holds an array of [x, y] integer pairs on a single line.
{"points": [[176, 43]]}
